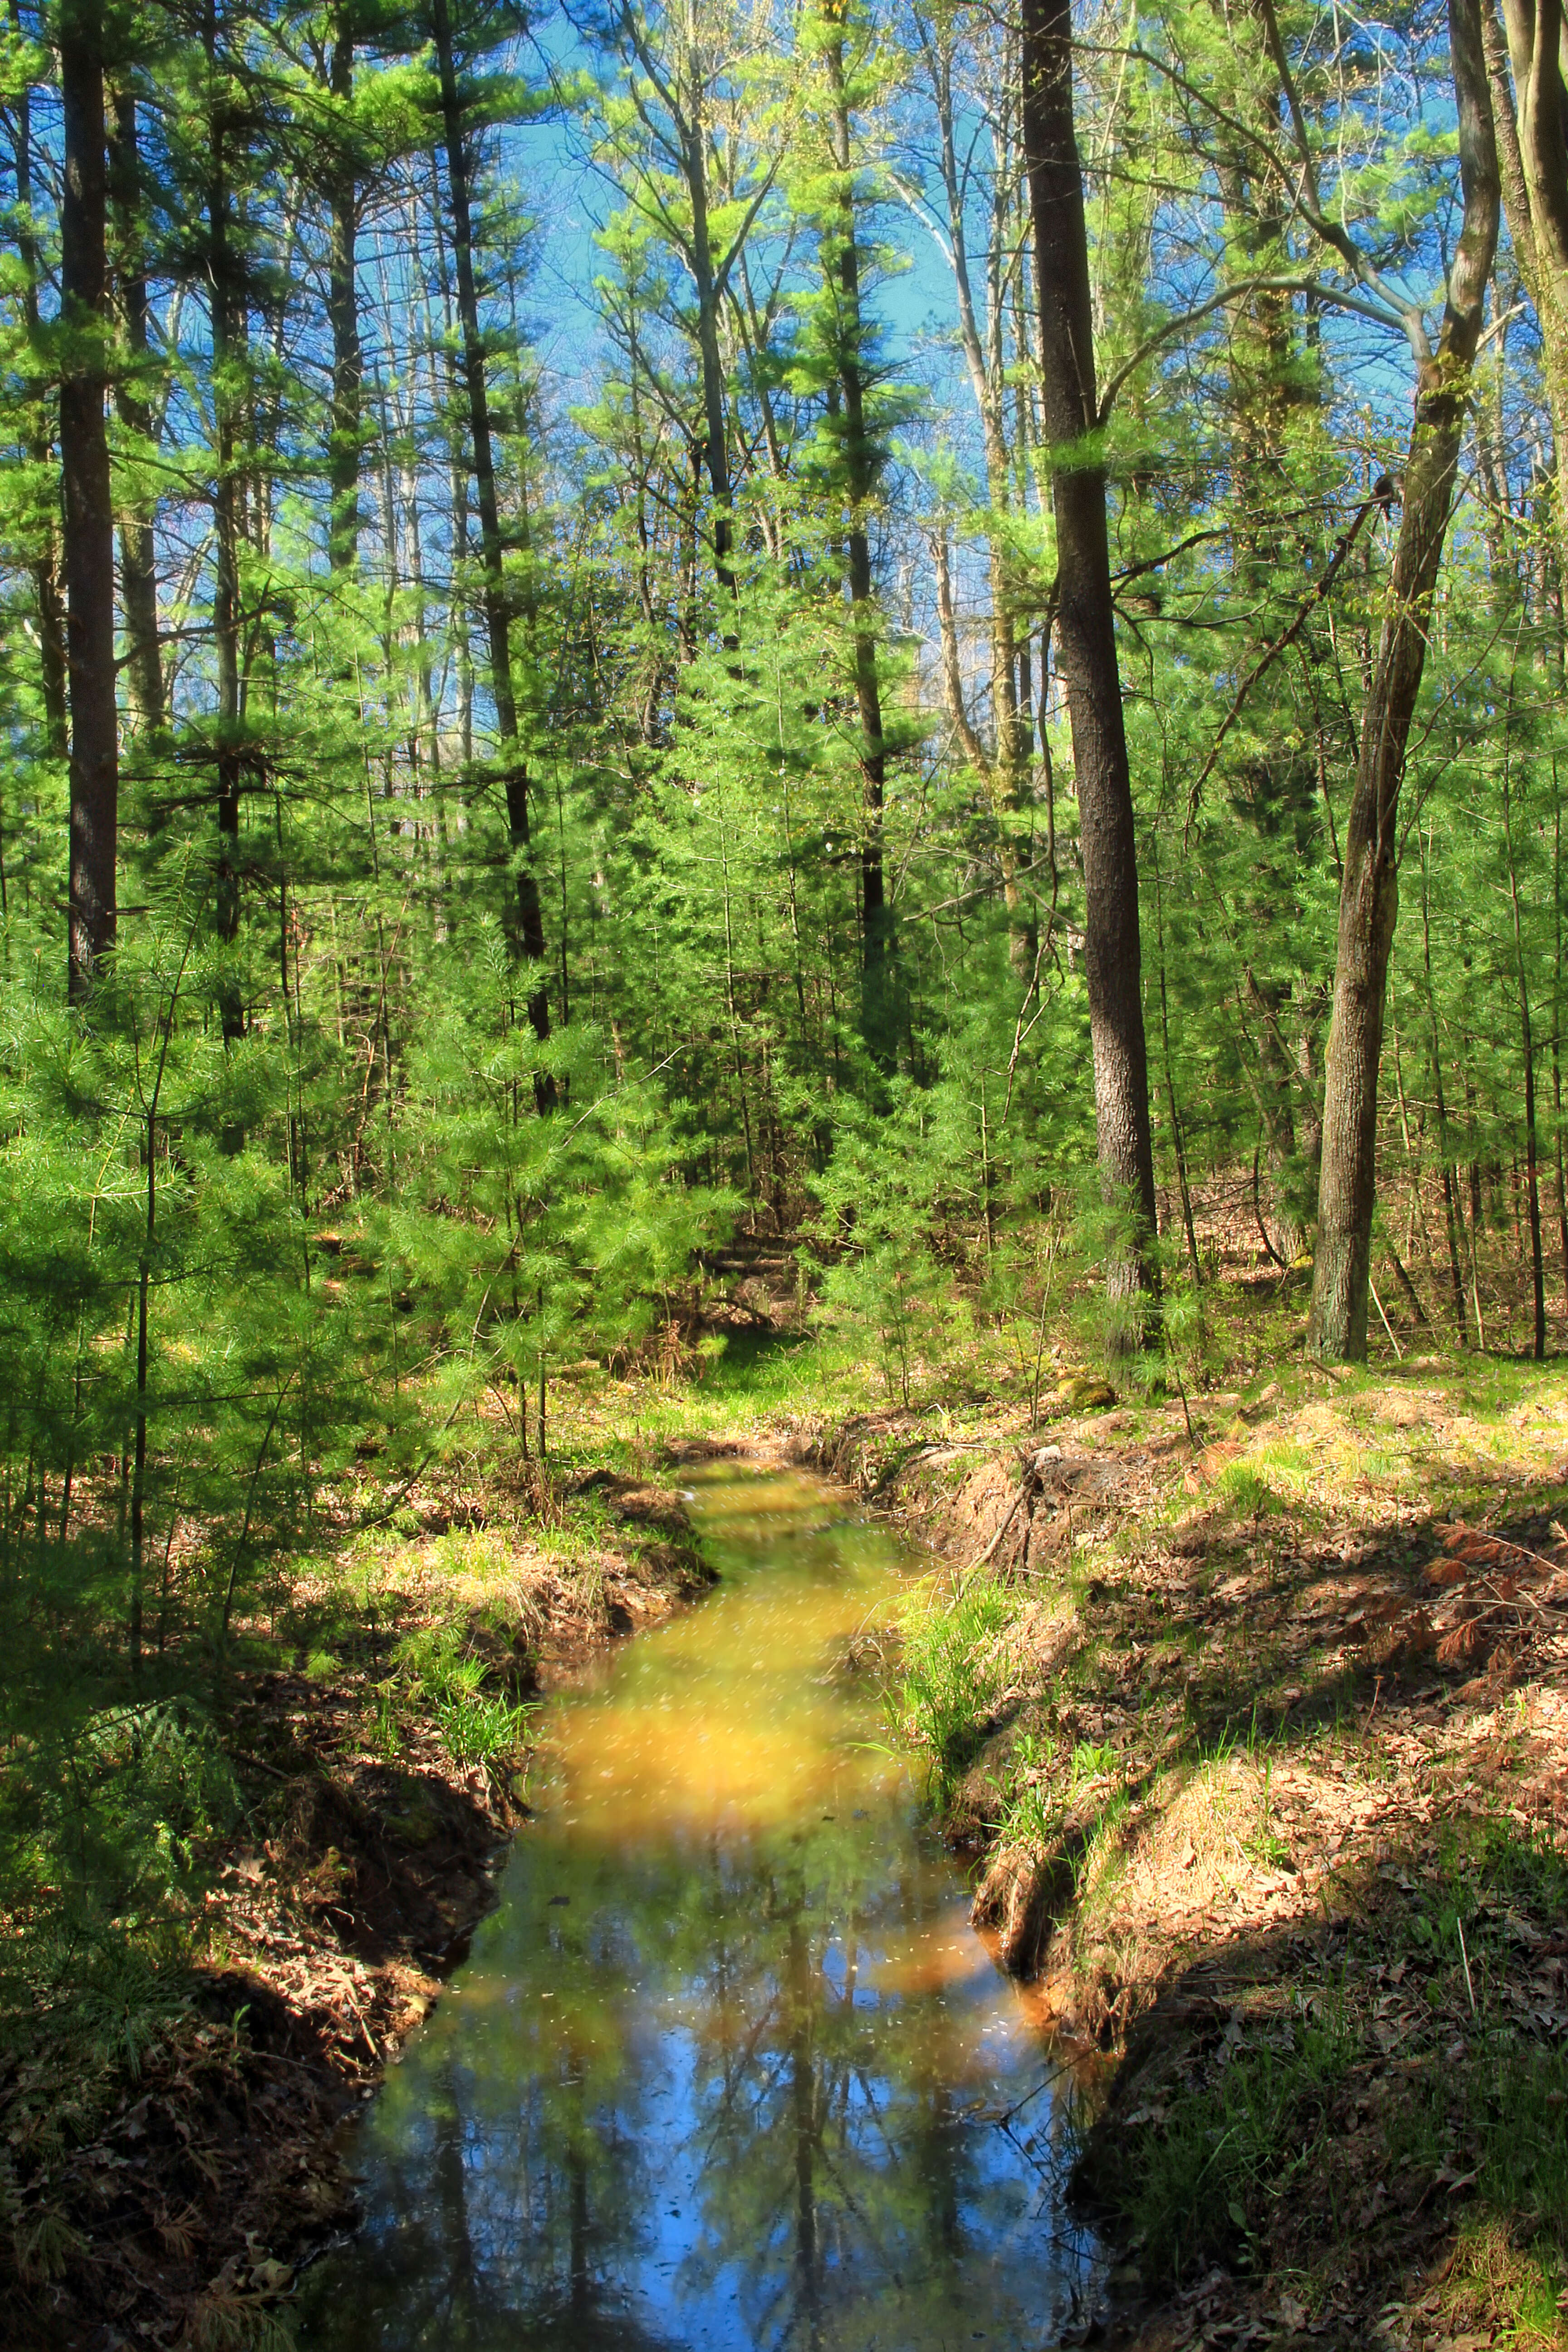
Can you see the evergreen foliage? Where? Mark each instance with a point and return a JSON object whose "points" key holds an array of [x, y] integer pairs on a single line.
{"points": [[594, 770]]}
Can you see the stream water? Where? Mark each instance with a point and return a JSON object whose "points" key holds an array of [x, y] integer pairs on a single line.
{"points": [[726, 2068]]}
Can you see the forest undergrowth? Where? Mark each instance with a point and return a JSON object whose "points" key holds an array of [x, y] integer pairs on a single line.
{"points": [[236, 1878], [1252, 1706], [1247, 1698]]}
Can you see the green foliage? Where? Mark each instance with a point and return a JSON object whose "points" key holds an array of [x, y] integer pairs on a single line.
{"points": [[952, 1668], [442, 1051], [1210, 2178], [1206, 2178], [478, 1727]]}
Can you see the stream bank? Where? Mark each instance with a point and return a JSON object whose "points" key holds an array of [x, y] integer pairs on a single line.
{"points": [[1257, 1735], [165, 2190]]}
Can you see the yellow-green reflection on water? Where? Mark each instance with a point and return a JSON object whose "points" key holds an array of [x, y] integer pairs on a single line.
{"points": [[727, 2068]]}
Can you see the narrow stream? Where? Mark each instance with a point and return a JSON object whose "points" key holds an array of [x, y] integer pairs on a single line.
{"points": [[727, 2067]]}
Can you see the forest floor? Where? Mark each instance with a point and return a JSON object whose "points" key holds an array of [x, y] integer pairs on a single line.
{"points": [[164, 2182], [1257, 1729]]}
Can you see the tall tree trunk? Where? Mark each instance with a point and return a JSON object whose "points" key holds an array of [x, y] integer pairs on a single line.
{"points": [[861, 468], [342, 310], [687, 152], [1557, 1026], [715, 414], [1088, 662], [138, 569], [1369, 888], [46, 561], [1527, 1049], [498, 616], [89, 508], [1453, 1215], [1531, 124], [228, 330], [461, 636]]}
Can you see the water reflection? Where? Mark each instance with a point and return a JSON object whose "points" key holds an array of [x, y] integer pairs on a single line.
{"points": [[727, 2067]]}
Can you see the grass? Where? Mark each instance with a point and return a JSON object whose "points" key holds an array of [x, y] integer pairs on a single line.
{"points": [[951, 1670], [1200, 2188], [750, 1385], [1217, 2181], [1243, 1492], [1278, 2150]]}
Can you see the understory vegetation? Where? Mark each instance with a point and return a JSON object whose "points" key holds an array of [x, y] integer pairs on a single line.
{"points": [[721, 719], [1254, 1714]]}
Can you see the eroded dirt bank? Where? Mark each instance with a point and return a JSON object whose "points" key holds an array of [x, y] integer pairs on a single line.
{"points": [[1264, 1763], [168, 2197]]}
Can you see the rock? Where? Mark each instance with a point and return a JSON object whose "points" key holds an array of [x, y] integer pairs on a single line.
{"points": [[1080, 1392]]}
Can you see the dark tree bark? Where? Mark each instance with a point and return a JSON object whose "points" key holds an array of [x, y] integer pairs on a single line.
{"points": [[228, 328], [1369, 887], [46, 563], [1086, 637], [861, 460], [1453, 1216], [529, 918], [714, 411], [89, 509], [138, 571], [342, 310]]}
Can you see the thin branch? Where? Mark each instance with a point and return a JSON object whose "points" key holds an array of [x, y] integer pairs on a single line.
{"points": [[1382, 497]]}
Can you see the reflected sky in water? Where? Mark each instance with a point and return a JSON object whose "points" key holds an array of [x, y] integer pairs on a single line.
{"points": [[727, 2068]]}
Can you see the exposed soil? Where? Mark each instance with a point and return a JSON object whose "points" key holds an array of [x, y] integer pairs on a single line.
{"points": [[174, 2198], [1283, 1698]]}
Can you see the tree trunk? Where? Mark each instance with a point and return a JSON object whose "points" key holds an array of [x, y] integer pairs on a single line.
{"points": [[89, 508], [46, 565], [1453, 1215], [138, 569], [1006, 775], [1535, 180], [1369, 888], [694, 164], [1088, 662], [227, 328], [529, 916], [1527, 1049], [861, 459], [1557, 1026], [348, 366]]}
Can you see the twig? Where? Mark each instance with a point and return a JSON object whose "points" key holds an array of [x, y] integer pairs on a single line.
{"points": [[1536, 1559], [1464, 1956], [977, 1565], [1382, 497], [244, 1756], [1054, 2076], [1387, 1324], [1186, 1411]]}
